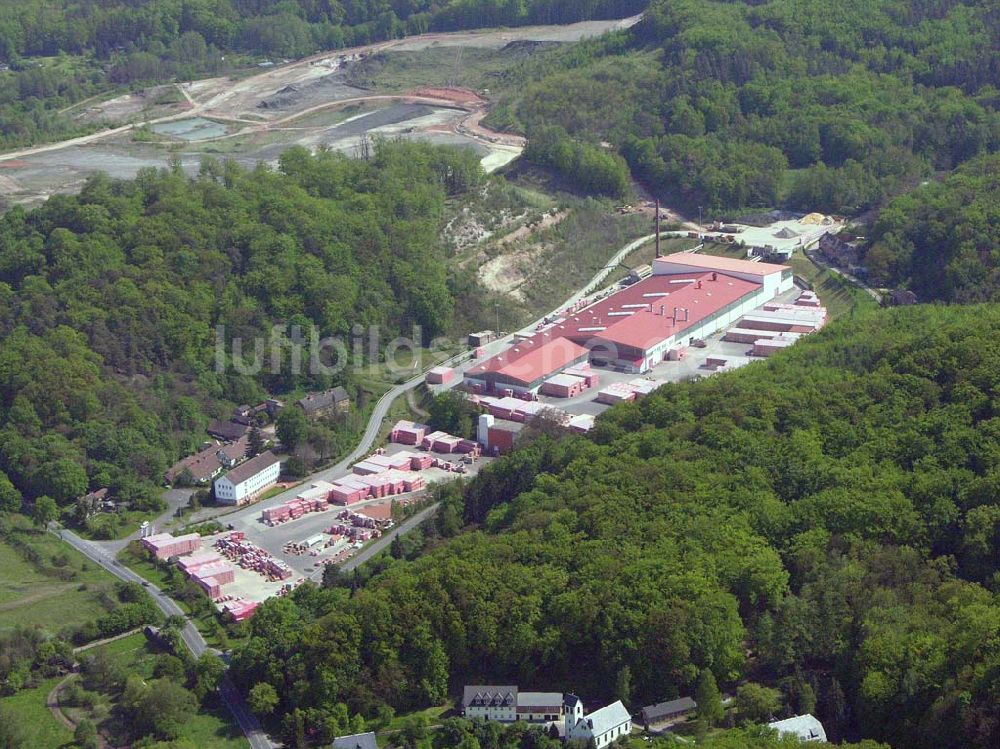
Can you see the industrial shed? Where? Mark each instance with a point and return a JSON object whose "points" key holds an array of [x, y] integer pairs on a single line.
{"points": [[689, 296], [664, 713]]}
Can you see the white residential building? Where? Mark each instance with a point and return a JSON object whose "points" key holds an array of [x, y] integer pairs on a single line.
{"points": [[246, 481], [805, 727], [490, 703], [604, 726], [507, 704]]}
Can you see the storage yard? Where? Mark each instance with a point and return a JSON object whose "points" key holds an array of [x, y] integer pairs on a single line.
{"points": [[275, 544], [691, 316]]}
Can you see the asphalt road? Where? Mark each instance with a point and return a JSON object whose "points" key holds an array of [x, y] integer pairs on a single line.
{"points": [[191, 636], [374, 548]]}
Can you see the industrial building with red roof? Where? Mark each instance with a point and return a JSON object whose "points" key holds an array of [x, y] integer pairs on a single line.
{"points": [[688, 296]]}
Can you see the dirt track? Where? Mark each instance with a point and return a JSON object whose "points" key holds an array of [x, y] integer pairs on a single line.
{"points": [[52, 703], [263, 106], [237, 101]]}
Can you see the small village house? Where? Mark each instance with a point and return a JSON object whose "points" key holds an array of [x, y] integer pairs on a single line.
{"points": [[327, 403]]}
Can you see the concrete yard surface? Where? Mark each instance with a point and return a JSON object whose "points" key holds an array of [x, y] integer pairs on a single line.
{"points": [[274, 539]]}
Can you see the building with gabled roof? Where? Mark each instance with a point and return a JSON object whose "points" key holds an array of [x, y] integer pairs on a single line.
{"points": [[205, 465], [527, 363], [490, 703], [507, 704], [604, 726], [227, 431], [325, 403], [248, 480], [804, 727], [662, 713], [540, 707]]}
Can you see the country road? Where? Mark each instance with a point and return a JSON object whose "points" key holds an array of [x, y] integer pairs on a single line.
{"points": [[189, 634]]}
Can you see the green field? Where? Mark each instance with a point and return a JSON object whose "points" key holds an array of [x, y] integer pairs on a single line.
{"points": [[60, 589], [41, 729], [211, 729]]}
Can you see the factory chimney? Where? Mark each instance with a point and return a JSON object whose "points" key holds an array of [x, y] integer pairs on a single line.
{"points": [[657, 227]]}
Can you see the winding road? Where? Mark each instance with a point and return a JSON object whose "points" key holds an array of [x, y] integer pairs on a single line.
{"points": [[189, 634]]}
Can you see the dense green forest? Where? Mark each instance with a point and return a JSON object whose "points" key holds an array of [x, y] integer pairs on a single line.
{"points": [[291, 27], [807, 104], [109, 301], [824, 524], [943, 239], [54, 54]]}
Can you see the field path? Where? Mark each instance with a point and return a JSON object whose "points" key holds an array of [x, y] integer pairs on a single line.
{"points": [[52, 703], [38, 595]]}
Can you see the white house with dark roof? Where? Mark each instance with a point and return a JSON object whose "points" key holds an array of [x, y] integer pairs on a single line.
{"points": [[246, 481], [490, 703], [604, 726]]}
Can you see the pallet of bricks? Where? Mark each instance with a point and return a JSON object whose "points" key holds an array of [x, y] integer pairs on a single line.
{"points": [[250, 557], [355, 533], [357, 519], [293, 509]]}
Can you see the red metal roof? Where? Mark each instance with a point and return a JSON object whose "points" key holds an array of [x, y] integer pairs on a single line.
{"points": [[629, 318], [533, 358], [632, 316]]}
